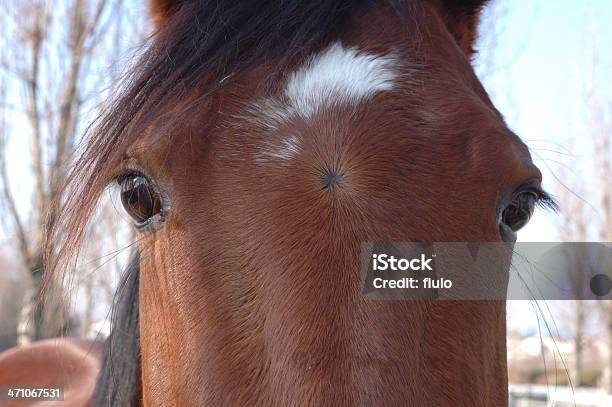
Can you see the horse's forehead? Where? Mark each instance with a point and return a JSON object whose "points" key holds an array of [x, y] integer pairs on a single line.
{"points": [[338, 75]]}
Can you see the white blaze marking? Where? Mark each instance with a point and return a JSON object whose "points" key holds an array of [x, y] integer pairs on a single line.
{"points": [[289, 149], [338, 75], [335, 76]]}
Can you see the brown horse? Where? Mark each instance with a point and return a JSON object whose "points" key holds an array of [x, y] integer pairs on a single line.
{"points": [[257, 145]]}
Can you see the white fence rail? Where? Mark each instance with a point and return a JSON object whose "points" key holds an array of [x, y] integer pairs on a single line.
{"points": [[526, 395]]}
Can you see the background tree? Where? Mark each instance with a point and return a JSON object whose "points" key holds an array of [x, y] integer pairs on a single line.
{"points": [[600, 123], [56, 57], [572, 149]]}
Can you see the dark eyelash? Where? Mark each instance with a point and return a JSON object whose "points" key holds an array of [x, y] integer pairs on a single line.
{"points": [[123, 176], [130, 171], [546, 201]]}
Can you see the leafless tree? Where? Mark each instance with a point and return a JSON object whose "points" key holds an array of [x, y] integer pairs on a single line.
{"points": [[573, 228], [600, 110], [12, 288], [55, 59]]}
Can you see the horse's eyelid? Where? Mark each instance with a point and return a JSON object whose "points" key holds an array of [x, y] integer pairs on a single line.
{"points": [[546, 201]]}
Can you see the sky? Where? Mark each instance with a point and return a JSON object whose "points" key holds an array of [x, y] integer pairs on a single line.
{"points": [[537, 73], [547, 55]]}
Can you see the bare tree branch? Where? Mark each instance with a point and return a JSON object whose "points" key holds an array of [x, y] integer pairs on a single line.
{"points": [[7, 195], [36, 39]]}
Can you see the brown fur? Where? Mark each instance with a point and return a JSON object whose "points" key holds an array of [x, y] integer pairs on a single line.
{"points": [[162, 10], [253, 283], [249, 292], [461, 18]]}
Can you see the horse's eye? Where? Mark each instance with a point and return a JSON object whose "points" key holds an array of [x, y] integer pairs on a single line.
{"points": [[517, 214], [138, 198]]}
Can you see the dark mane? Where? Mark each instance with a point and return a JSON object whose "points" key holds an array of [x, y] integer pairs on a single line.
{"points": [[119, 380]]}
